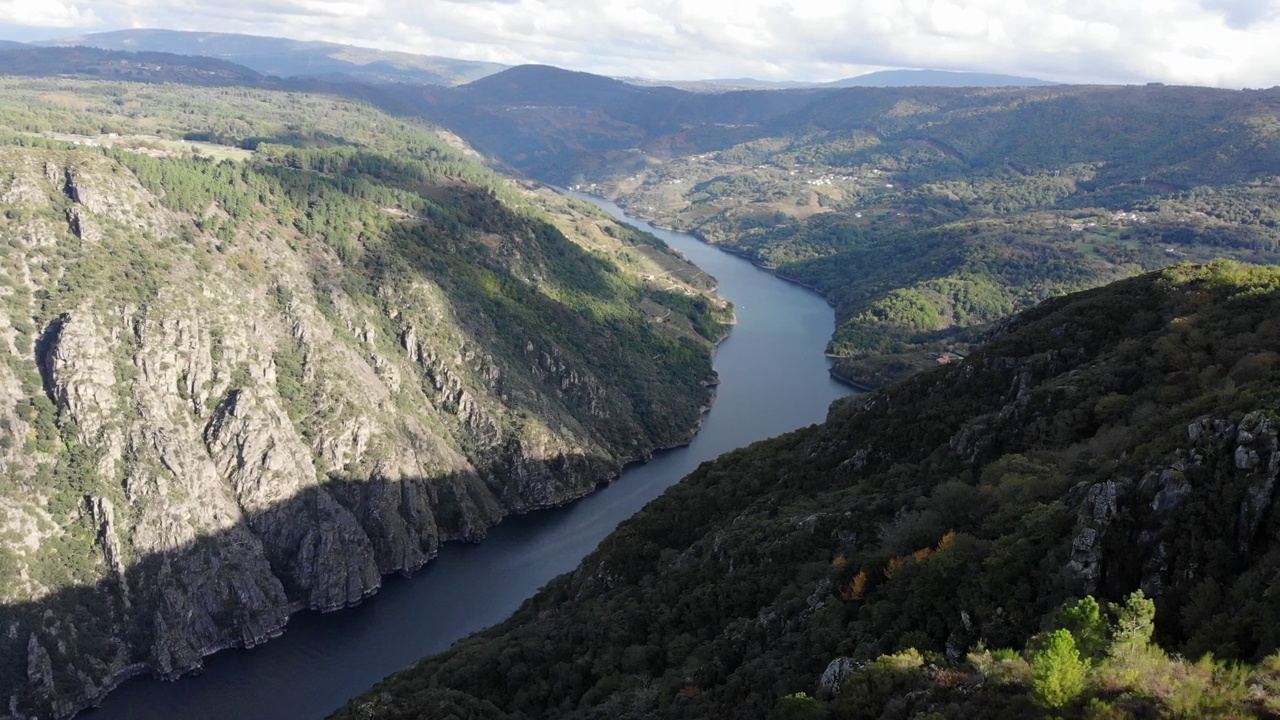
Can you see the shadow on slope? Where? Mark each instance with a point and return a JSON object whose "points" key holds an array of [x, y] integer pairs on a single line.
{"points": [[323, 549]]}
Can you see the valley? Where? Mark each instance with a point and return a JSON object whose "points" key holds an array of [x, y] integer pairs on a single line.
{"points": [[970, 203], [772, 380], [240, 389], [269, 340]]}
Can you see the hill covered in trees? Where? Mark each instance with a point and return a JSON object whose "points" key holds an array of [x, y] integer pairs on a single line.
{"points": [[291, 58], [153, 67], [920, 212], [258, 349], [1032, 530]]}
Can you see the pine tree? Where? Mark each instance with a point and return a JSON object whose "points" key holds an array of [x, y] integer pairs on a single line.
{"points": [[1087, 625], [1135, 622], [1057, 672]]}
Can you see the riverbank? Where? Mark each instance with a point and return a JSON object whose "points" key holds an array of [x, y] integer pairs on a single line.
{"points": [[860, 387]]}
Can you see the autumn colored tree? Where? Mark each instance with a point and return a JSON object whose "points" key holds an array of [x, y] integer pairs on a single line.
{"points": [[857, 587]]}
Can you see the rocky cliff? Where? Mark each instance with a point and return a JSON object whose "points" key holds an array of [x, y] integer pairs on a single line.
{"points": [[211, 418]]}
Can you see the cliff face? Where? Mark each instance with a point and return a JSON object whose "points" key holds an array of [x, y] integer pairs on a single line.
{"points": [[205, 430]]}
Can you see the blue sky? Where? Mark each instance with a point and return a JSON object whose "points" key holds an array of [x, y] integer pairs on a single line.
{"points": [[1227, 43]]}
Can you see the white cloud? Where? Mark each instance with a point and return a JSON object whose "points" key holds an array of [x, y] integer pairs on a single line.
{"points": [[46, 13], [1218, 42]]}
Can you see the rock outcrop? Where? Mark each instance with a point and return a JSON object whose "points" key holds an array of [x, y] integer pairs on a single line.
{"points": [[204, 435]]}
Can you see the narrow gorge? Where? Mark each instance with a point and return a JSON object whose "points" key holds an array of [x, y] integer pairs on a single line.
{"points": [[236, 390]]}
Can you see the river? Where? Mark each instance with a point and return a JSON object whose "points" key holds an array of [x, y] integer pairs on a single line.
{"points": [[773, 378]]}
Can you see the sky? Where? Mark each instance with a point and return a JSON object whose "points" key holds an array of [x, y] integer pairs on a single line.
{"points": [[1224, 43]]}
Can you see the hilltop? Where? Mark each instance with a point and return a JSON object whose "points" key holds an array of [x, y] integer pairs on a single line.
{"points": [[881, 78], [150, 67], [936, 78]]}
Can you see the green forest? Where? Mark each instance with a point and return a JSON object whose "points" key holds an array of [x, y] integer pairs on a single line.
{"points": [[925, 214], [1076, 521]]}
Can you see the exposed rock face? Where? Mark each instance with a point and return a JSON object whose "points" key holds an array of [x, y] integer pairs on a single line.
{"points": [[1245, 452], [1096, 512], [233, 442], [835, 673], [1257, 437]]}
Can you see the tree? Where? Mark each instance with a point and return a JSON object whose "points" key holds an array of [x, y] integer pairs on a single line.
{"points": [[1057, 672], [1135, 621], [1086, 624], [798, 706]]}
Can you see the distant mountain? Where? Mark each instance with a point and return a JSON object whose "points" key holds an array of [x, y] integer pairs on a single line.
{"points": [[543, 119], [293, 58], [936, 78], [12, 45], [721, 84], [883, 78], [754, 84], [548, 85], [147, 67]]}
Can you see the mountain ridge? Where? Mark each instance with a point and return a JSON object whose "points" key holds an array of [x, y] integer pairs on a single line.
{"points": [[906, 77], [284, 57], [936, 78]]}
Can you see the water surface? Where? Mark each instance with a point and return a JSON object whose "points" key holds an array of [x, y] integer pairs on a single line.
{"points": [[773, 379]]}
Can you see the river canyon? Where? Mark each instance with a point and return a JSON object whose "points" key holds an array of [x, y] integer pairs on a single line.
{"points": [[773, 379]]}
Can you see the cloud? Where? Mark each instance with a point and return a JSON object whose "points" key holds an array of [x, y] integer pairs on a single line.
{"points": [[46, 13], [1216, 42], [1241, 14]]}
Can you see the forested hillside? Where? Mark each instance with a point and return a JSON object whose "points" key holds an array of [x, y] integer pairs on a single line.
{"points": [[262, 348], [128, 66], [924, 212], [920, 212], [292, 58], [1027, 532]]}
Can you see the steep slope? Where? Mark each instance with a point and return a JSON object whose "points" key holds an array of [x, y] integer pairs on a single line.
{"points": [[238, 384], [1119, 439]]}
